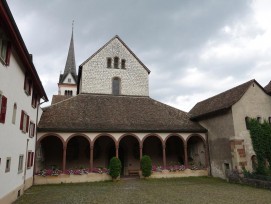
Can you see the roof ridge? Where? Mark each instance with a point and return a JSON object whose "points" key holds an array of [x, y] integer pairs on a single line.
{"points": [[221, 101], [248, 82]]}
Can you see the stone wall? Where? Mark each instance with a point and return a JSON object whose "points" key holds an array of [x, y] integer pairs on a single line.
{"points": [[97, 78], [254, 103], [220, 129]]}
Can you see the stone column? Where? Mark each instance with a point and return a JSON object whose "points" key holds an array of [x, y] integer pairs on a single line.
{"points": [[117, 151], [91, 158], [64, 158], [140, 152], [185, 156], [164, 156]]}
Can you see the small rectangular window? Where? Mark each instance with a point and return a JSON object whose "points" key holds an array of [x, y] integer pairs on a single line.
{"points": [[31, 129], [30, 159], [269, 120], [24, 124], [116, 62], [3, 108], [109, 62], [123, 64], [27, 85], [8, 161], [259, 119], [246, 121], [34, 100], [20, 165], [5, 48]]}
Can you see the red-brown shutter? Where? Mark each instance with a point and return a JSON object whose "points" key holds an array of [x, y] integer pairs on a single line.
{"points": [[22, 120], [27, 123], [25, 82], [8, 53], [34, 130], [32, 158], [3, 109], [30, 86], [28, 159]]}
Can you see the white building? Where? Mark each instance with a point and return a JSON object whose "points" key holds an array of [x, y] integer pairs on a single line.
{"points": [[20, 94]]}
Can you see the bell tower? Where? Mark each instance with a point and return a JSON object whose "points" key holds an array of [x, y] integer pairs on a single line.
{"points": [[67, 84]]}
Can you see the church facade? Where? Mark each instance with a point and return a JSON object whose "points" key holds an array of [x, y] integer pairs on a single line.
{"points": [[113, 115]]}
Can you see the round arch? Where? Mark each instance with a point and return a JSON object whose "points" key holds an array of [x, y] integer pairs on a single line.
{"points": [[196, 135], [177, 135], [197, 150], [78, 135], [49, 135], [50, 152], [153, 135], [104, 135], [131, 134]]}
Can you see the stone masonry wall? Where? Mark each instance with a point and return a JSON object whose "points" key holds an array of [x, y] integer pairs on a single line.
{"points": [[97, 78]]}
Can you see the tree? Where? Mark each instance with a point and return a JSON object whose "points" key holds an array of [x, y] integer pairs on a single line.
{"points": [[146, 166], [114, 167]]}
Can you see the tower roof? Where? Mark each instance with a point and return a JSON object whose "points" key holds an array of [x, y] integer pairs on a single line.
{"points": [[70, 66]]}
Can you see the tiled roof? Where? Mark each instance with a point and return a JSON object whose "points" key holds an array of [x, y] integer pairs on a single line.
{"points": [[107, 113], [221, 101], [267, 88], [58, 98]]}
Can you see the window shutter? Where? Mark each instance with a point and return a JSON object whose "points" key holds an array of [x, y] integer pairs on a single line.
{"points": [[22, 120], [8, 53], [34, 130], [27, 123], [25, 82], [32, 158], [28, 159], [3, 109], [30, 86]]}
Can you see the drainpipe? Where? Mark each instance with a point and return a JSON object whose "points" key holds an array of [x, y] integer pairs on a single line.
{"points": [[26, 158], [36, 139]]}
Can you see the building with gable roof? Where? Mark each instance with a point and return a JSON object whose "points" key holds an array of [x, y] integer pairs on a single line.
{"points": [[113, 115], [20, 93], [225, 116]]}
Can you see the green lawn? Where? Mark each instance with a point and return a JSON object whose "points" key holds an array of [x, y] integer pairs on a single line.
{"points": [[182, 190]]}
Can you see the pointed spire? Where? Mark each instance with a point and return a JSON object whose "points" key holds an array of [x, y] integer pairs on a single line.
{"points": [[70, 66]]}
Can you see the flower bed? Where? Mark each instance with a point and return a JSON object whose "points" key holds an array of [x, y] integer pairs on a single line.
{"points": [[56, 172], [175, 168]]}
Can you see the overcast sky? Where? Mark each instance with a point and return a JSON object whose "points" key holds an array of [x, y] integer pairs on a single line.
{"points": [[195, 49]]}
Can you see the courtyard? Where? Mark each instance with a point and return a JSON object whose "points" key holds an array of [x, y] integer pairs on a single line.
{"points": [[181, 190]]}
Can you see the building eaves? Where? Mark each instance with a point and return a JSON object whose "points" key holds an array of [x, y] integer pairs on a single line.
{"points": [[18, 42]]}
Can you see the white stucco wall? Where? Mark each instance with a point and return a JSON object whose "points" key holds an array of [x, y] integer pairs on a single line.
{"points": [[97, 78], [254, 103], [13, 141], [66, 85]]}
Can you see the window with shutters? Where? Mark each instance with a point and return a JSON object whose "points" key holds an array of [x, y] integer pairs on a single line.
{"points": [[30, 159], [24, 122], [34, 100], [20, 165], [5, 48], [31, 129], [27, 85], [116, 86], [3, 108]]}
